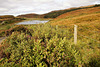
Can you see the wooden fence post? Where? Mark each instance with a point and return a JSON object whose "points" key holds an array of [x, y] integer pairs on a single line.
{"points": [[75, 34], [56, 26]]}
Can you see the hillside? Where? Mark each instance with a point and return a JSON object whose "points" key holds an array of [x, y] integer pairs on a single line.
{"points": [[6, 17], [87, 16], [87, 20], [6, 22], [57, 13]]}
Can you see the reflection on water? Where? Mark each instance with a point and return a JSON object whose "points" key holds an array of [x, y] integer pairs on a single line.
{"points": [[32, 22]]}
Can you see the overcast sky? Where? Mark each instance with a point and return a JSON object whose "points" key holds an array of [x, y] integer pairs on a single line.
{"points": [[17, 7]]}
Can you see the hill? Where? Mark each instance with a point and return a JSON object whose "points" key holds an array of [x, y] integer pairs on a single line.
{"points": [[6, 22], [6, 16], [82, 16], [54, 14], [30, 16], [87, 20]]}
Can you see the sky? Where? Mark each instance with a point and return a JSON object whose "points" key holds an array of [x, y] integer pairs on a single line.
{"points": [[18, 7]]}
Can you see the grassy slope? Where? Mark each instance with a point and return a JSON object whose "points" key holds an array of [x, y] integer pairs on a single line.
{"points": [[88, 20], [78, 16]]}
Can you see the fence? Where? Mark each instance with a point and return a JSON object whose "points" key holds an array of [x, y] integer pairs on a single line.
{"points": [[76, 34]]}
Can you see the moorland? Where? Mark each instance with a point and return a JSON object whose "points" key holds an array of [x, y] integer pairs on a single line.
{"points": [[52, 44]]}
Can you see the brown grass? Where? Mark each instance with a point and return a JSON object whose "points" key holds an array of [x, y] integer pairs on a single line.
{"points": [[80, 12], [88, 21]]}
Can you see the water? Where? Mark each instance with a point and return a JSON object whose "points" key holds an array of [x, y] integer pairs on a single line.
{"points": [[32, 22]]}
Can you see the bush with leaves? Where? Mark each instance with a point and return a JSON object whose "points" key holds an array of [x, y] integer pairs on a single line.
{"points": [[48, 46]]}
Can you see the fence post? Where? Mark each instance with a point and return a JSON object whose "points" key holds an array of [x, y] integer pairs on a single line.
{"points": [[75, 34], [56, 26]]}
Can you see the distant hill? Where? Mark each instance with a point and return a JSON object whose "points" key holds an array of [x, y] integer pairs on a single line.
{"points": [[57, 13], [9, 19], [6, 16], [30, 16], [54, 14]]}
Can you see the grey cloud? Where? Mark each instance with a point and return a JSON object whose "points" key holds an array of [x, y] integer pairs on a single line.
{"points": [[16, 7]]}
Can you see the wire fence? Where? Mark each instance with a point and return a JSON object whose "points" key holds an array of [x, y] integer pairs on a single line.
{"points": [[90, 38], [92, 35]]}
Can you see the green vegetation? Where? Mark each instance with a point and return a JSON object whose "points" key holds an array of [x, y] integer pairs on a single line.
{"points": [[7, 22], [48, 46]]}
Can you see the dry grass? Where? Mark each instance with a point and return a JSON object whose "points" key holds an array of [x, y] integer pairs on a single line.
{"points": [[88, 21], [80, 20], [85, 17], [80, 12]]}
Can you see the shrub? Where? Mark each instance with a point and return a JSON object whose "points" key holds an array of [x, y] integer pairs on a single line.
{"points": [[8, 27], [18, 29], [48, 46]]}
